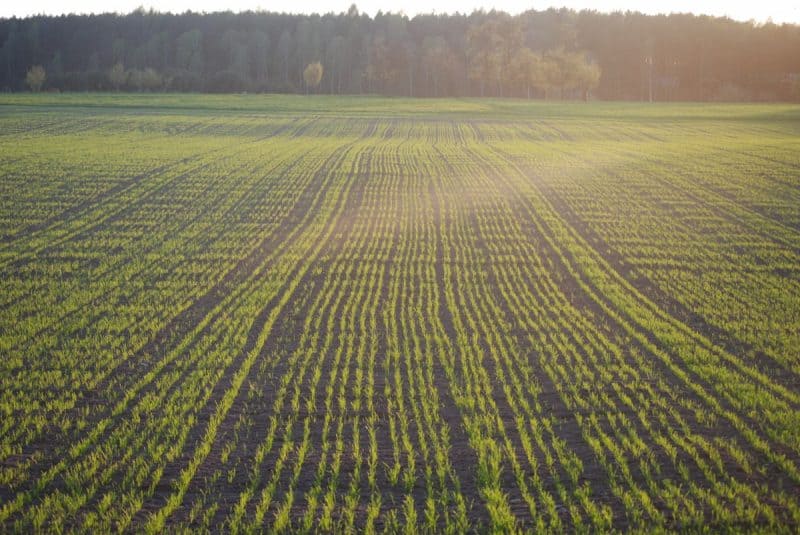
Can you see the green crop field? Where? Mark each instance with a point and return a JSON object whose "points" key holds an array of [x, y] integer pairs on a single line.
{"points": [[261, 313]]}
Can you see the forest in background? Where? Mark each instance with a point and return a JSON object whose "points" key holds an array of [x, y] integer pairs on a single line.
{"points": [[557, 53]]}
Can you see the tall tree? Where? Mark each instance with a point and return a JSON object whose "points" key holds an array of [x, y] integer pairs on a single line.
{"points": [[189, 51], [117, 76], [336, 60], [258, 50], [525, 69], [284, 50], [436, 62], [483, 46], [548, 75]]}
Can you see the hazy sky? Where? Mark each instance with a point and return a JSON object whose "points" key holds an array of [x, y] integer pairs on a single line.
{"points": [[778, 10]]}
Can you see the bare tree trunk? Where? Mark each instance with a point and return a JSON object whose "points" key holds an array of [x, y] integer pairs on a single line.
{"points": [[466, 73]]}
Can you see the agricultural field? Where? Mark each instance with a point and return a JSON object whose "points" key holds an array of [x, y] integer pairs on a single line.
{"points": [[261, 313]]}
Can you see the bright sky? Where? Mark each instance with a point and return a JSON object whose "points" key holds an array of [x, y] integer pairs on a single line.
{"points": [[778, 10]]}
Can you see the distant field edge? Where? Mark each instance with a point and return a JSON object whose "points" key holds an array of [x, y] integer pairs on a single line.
{"points": [[369, 105]]}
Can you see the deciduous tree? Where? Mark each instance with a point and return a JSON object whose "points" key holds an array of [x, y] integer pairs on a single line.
{"points": [[312, 75], [35, 78]]}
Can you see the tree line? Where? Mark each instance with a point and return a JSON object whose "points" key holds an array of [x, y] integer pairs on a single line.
{"points": [[557, 53]]}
